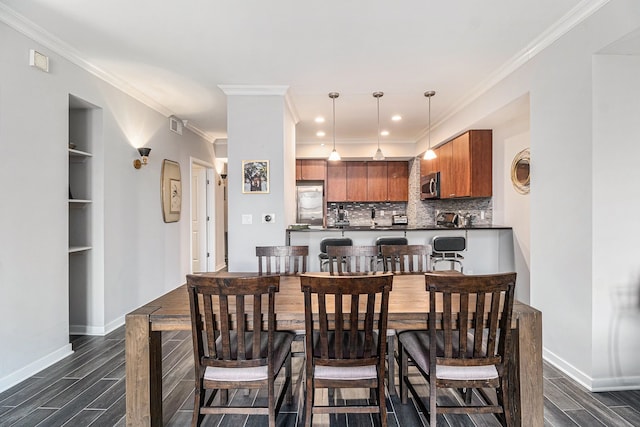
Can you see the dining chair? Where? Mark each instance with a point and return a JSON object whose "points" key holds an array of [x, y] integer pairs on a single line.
{"points": [[388, 241], [467, 344], [331, 241], [346, 322], [406, 259], [282, 260], [235, 344], [401, 259], [352, 259]]}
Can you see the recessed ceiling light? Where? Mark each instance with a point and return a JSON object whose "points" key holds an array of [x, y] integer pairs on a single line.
{"points": [[320, 133], [384, 133], [396, 118], [319, 119], [322, 144]]}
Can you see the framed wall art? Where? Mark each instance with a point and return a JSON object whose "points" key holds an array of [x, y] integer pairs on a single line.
{"points": [[171, 191], [255, 174]]}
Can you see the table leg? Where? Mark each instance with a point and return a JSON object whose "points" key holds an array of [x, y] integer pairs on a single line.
{"points": [[525, 370], [143, 360]]}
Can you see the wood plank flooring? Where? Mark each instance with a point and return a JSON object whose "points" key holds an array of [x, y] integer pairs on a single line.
{"points": [[88, 389]]}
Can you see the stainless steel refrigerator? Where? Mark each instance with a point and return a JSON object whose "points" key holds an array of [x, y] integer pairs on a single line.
{"points": [[310, 203]]}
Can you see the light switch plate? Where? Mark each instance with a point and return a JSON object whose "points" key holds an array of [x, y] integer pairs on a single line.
{"points": [[247, 219]]}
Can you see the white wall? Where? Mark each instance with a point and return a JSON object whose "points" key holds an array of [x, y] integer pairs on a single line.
{"points": [[563, 218], [616, 201], [143, 257], [259, 127]]}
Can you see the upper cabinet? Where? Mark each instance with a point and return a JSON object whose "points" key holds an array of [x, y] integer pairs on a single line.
{"points": [[466, 165], [336, 188], [398, 181], [311, 169], [375, 181]]}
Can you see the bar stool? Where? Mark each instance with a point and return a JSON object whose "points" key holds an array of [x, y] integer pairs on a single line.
{"points": [[448, 249], [330, 241], [388, 241]]}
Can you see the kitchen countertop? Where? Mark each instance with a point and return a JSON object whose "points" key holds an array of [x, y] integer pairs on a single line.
{"points": [[404, 228]]}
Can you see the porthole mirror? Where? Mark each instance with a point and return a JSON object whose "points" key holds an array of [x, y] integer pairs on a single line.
{"points": [[520, 174]]}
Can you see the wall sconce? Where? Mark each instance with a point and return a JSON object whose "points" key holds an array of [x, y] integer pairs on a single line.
{"points": [[223, 177], [144, 157]]}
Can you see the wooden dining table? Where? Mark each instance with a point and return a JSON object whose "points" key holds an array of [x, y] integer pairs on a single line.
{"points": [[408, 306]]}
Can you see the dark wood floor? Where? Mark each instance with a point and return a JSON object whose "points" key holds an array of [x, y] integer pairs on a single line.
{"points": [[87, 388]]}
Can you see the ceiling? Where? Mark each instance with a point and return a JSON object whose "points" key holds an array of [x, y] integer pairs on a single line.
{"points": [[174, 55]]}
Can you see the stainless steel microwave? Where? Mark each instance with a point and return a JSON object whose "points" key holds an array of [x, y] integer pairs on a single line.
{"points": [[430, 186]]}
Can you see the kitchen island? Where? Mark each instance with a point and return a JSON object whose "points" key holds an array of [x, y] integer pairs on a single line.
{"points": [[489, 247]]}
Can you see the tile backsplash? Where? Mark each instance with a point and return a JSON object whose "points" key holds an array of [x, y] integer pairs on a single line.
{"points": [[359, 214]]}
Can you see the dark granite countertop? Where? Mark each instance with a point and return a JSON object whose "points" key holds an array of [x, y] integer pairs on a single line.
{"points": [[405, 228]]}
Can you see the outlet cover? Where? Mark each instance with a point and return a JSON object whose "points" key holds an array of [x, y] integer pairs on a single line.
{"points": [[247, 219]]}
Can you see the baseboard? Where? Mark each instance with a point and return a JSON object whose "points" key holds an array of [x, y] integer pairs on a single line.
{"points": [[35, 367], [591, 384], [96, 330]]}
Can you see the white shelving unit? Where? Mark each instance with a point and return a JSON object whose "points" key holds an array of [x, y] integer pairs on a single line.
{"points": [[82, 256]]}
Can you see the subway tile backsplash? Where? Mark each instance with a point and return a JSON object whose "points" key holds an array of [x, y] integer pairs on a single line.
{"points": [[420, 213]]}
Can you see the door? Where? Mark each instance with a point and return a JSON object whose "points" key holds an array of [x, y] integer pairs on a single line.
{"points": [[201, 230]]}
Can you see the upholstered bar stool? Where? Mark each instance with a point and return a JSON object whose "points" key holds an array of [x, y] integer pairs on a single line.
{"points": [[331, 241], [448, 249]]}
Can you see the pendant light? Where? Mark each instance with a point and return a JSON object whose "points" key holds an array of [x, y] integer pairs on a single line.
{"points": [[429, 154], [378, 155], [334, 156]]}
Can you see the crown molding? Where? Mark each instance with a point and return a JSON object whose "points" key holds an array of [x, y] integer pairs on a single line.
{"points": [[263, 90], [575, 16], [40, 35]]}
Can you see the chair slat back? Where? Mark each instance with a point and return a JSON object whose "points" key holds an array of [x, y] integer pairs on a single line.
{"points": [[341, 315], [406, 259], [475, 322], [234, 319], [282, 260], [352, 259]]}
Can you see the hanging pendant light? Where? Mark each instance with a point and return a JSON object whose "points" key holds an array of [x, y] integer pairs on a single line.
{"points": [[429, 154], [334, 156], [378, 155]]}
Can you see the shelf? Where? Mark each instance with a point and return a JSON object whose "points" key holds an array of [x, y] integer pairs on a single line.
{"points": [[76, 249], [78, 153]]}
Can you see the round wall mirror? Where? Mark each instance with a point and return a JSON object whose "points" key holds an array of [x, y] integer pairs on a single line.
{"points": [[520, 171]]}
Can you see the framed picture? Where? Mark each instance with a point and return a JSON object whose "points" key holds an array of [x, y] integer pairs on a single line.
{"points": [[255, 174], [171, 191]]}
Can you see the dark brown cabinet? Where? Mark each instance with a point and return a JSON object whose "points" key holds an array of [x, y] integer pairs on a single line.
{"points": [[311, 169], [350, 181], [397, 181], [466, 165], [356, 181], [377, 185], [336, 188]]}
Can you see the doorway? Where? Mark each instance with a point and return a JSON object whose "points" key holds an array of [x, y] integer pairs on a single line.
{"points": [[202, 227]]}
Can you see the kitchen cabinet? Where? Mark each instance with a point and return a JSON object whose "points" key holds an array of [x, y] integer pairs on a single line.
{"points": [[430, 166], [377, 188], [311, 169], [376, 181], [466, 165], [397, 181], [336, 188], [357, 182]]}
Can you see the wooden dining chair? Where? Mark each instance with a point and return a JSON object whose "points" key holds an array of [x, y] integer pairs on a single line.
{"points": [[406, 259], [467, 344], [282, 260], [352, 259], [235, 344], [401, 259], [346, 322]]}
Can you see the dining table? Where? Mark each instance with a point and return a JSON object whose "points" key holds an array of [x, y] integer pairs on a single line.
{"points": [[408, 308]]}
